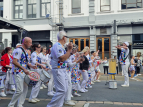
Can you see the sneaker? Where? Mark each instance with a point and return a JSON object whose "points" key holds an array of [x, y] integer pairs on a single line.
{"points": [[3, 94], [86, 87], [85, 90], [135, 75], [50, 94], [43, 85], [36, 99], [9, 92], [69, 103], [54, 92], [76, 94], [132, 78], [82, 90], [13, 89], [124, 85], [71, 96], [90, 86], [139, 74], [98, 81], [92, 82], [32, 101]]}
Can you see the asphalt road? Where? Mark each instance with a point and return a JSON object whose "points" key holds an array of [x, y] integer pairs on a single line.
{"points": [[99, 93]]}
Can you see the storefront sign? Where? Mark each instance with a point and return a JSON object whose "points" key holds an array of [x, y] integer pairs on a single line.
{"points": [[130, 20]]}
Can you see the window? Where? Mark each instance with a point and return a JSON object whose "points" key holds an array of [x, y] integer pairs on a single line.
{"points": [[1, 9], [130, 4], [31, 8], [76, 6], [105, 5], [18, 9], [45, 7], [80, 42]]}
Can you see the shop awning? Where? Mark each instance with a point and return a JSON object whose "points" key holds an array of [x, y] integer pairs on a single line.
{"points": [[6, 24]]}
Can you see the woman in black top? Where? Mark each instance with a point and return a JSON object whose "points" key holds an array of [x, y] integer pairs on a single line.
{"points": [[83, 69]]}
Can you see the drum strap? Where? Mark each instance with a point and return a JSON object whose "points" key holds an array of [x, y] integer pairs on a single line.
{"points": [[25, 56]]}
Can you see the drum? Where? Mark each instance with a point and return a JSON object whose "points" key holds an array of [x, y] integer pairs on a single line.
{"points": [[1, 72], [2, 81], [45, 77], [32, 78]]}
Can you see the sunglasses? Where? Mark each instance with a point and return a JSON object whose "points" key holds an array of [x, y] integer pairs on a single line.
{"points": [[39, 47], [66, 36]]}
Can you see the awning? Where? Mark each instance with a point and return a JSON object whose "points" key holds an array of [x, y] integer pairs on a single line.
{"points": [[6, 24]]}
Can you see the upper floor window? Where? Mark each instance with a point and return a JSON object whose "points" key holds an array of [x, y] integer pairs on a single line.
{"points": [[105, 5], [1, 9], [18, 9], [31, 8], [45, 7], [76, 6], [130, 4]]}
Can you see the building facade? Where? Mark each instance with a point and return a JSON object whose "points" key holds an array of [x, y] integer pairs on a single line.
{"points": [[99, 24]]}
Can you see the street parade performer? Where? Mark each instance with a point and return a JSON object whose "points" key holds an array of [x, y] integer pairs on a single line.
{"points": [[59, 65], [19, 69]]}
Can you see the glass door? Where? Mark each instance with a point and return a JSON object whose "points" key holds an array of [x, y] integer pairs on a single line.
{"points": [[103, 45], [80, 42]]}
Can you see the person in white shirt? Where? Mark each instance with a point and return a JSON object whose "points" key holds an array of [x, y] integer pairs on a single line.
{"points": [[51, 81], [36, 60], [124, 61], [19, 69], [59, 65], [43, 62]]}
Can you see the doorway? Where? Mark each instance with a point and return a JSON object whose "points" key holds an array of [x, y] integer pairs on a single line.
{"points": [[80, 42], [103, 45]]}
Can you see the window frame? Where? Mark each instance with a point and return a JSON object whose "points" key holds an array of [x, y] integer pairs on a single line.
{"points": [[0, 11], [41, 4], [32, 4], [74, 8], [18, 10], [131, 3], [105, 5]]}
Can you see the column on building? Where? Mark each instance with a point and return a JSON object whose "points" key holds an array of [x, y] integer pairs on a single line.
{"points": [[92, 38], [114, 41]]}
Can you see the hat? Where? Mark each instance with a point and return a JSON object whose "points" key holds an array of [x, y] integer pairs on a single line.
{"points": [[18, 44], [61, 34], [126, 43]]}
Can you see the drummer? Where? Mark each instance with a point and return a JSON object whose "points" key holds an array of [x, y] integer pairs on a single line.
{"points": [[36, 60], [19, 69], [124, 61], [6, 62], [59, 65], [51, 81], [43, 61]]}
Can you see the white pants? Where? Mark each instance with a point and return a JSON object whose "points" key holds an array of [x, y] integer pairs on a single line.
{"points": [[92, 75], [36, 89], [9, 83], [61, 84], [20, 93], [68, 94], [51, 81], [125, 73], [85, 78]]}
